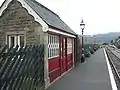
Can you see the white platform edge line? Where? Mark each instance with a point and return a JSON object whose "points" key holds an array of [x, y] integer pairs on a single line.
{"points": [[114, 86]]}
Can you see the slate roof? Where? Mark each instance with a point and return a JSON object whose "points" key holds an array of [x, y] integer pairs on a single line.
{"points": [[48, 16]]}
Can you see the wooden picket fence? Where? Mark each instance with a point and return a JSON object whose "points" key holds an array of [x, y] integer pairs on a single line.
{"points": [[22, 68]]}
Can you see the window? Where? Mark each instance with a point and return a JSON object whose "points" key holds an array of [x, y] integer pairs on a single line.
{"points": [[53, 46], [69, 45], [21, 40], [13, 40]]}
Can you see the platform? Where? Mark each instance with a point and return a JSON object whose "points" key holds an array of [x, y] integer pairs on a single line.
{"points": [[91, 75]]}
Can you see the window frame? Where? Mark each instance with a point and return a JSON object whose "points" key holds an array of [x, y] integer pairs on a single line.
{"points": [[9, 40], [69, 45], [17, 38], [53, 46]]}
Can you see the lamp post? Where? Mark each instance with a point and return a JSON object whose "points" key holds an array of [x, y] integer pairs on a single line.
{"points": [[82, 25]]}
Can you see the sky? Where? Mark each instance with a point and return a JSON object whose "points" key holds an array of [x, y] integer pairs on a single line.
{"points": [[100, 16]]}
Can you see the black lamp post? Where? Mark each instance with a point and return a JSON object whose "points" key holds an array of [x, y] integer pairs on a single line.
{"points": [[82, 25]]}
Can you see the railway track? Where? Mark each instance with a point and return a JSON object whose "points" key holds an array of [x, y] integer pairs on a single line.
{"points": [[115, 64]]}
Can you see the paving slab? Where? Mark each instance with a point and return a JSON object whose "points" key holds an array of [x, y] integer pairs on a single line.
{"points": [[91, 75]]}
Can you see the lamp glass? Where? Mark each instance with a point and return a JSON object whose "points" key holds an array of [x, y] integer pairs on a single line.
{"points": [[82, 26]]}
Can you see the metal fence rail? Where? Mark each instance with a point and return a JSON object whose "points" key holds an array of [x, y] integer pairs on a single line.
{"points": [[22, 68]]}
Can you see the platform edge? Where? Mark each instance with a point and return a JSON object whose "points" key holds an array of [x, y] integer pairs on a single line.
{"points": [[112, 80]]}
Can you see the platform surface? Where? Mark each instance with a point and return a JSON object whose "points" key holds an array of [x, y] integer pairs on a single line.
{"points": [[91, 75]]}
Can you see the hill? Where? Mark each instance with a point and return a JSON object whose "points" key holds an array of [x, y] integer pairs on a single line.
{"points": [[106, 38]]}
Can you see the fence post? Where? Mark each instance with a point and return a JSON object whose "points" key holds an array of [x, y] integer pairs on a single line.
{"points": [[46, 68]]}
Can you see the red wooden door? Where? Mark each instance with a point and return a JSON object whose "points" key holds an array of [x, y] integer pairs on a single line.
{"points": [[63, 54]]}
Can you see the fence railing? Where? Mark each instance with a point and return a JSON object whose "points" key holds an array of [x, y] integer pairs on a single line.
{"points": [[22, 68]]}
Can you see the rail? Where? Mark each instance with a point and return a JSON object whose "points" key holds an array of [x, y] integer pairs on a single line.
{"points": [[111, 55]]}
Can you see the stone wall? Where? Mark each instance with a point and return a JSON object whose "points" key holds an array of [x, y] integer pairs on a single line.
{"points": [[16, 19]]}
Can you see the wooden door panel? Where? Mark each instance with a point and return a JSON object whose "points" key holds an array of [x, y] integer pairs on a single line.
{"points": [[63, 55]]}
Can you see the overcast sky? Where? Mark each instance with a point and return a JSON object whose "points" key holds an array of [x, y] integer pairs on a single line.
{"points": [[100, 16]]}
